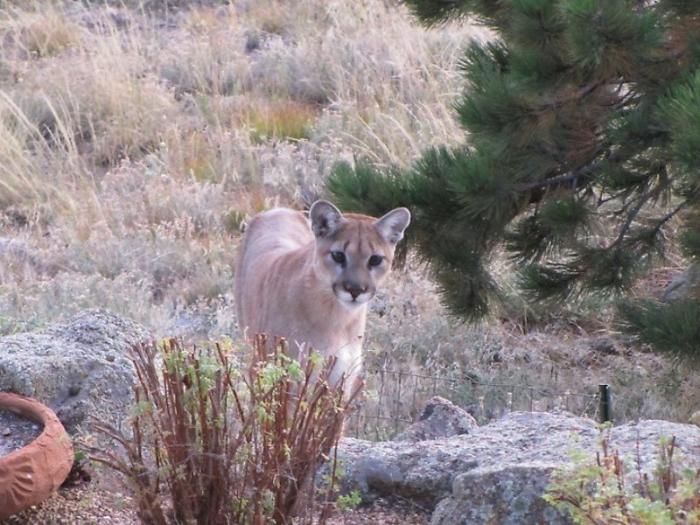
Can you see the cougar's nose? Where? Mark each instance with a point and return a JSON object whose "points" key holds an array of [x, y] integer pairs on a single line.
{"points": [[354, 289]]}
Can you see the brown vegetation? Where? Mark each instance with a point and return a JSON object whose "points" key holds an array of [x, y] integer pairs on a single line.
{"points": [[220, 445]]}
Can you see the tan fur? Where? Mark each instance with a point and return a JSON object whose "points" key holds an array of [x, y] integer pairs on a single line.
{"points": [[288, 283]]}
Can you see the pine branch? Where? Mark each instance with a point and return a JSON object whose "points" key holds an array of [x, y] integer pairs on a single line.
{"points": [[670, 215], [576, 97], [589, 169], [573, 177], [641, 201], [585, 101], [630, 219]]}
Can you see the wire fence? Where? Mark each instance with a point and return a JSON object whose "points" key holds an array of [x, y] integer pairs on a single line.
{"points": [[394, 399]]}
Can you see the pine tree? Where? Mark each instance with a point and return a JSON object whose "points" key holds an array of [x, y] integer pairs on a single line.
{"points": [[582, 121]]}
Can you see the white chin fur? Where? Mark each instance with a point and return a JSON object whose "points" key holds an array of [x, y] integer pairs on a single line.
{"points": [[346, 298]]}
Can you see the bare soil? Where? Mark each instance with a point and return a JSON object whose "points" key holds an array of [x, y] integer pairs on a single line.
{"points": [[395, 512]]}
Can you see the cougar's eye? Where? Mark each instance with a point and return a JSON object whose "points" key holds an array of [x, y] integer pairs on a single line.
{"points": [[338, 257], [375, 260]]}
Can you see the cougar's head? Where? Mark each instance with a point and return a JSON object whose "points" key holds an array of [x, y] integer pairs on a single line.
{"points": [[354, 252]]}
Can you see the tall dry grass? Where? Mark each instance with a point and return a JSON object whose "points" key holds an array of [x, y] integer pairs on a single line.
{"points": [[130, 137]]}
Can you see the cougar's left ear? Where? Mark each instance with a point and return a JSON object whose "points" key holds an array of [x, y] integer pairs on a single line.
{"points": [[325, 218], [392, 225]]}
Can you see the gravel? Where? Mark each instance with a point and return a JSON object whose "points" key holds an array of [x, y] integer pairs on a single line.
{"points": [[104, 501]]}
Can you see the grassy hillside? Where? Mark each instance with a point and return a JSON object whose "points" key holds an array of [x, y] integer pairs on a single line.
{"points": [[134, 141]]}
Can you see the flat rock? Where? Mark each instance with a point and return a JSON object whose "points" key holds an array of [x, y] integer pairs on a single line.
{"points": [[79, 368]]}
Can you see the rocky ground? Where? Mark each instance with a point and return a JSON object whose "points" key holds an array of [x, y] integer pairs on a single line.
{"points": [[498, 472], [442, 470], [104, 501]]}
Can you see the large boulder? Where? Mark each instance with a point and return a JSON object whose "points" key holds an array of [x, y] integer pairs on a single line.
{"points": [[79, 368], [497, 473]]}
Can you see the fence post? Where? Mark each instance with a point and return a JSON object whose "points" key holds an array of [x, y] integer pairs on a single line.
{"points": [[604, 403]]}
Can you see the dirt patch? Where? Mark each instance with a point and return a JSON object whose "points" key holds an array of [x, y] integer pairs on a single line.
{"points": [[105, 500], [394, 512], [16, 431]]}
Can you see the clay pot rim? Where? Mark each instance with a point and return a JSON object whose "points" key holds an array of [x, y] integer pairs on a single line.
{"points": [[31, 409], [37, 469]]}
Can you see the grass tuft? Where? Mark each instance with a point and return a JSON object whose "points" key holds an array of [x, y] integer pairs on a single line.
{"points": [[280, 120]]}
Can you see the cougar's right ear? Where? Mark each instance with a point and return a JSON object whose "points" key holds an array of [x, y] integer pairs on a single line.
{"points": [[325, 218], [392, 225]]}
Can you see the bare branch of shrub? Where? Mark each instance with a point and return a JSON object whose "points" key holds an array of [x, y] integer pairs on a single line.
{"points": [[210, 445]]}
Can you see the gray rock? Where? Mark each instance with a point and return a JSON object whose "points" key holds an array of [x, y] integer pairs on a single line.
{"points": [[498, 472], [507, 496], [421, 471], [440, 418], [684, 285], [79, 368], [695, 418]]}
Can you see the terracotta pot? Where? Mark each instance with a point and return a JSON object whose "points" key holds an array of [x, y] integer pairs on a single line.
{"points": [[30, 474]]}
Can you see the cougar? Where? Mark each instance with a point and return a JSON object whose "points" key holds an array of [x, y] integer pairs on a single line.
{"points": [[309, 279]]}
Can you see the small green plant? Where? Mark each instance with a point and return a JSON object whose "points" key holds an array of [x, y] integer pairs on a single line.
{"points": [[598, 492], [223, 445], [348, 501]]}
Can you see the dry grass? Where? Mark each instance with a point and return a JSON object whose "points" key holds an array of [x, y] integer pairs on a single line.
{"points": [[133, 142], [280, 120], [38, 30], [150, 134]]}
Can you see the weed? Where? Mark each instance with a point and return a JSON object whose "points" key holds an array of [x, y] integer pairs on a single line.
{"points": [[349, 501]]}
